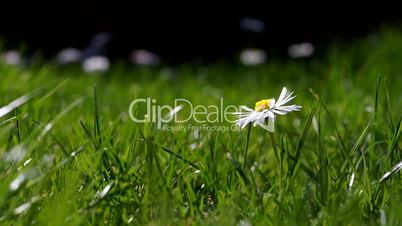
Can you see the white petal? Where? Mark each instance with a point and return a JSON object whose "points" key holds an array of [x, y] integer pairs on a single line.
{"points": [[272, 103], [269, 114], [271, 125], [288, 108], [287, 99], [260, 121], [280, 112], [283, 94], [246, 108], [243, 121], [262, 125], [255, 117]]}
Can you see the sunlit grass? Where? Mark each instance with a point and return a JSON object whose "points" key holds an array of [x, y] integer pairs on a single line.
{"points": [[70, 154]]}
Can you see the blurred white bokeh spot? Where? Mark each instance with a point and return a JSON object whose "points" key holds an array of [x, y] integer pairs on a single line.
{"points": [[11, 57], [69, 55], [253, 57], [301, 50], [144, 57], [96, 63]]}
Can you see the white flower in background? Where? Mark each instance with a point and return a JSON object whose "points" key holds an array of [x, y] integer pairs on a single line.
{"points": [[96, 64], [69, 55], [265, 111], [144, 57], [11, 57], [301, 50], [15, 154], [253, 57]]}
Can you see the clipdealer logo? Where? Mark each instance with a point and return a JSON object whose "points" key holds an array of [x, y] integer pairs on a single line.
{"points": [[184, 113]]}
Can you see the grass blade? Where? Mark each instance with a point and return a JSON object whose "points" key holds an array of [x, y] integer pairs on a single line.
{"points": [[246, 148], [179, 157], [303, 138], [392, 148], [343, 148], [393, 171], [359, 140], [96, 118], [388, 101], [14, 104], [323, 172], [236, 165]]}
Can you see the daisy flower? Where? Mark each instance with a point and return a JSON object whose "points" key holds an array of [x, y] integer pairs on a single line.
{"points": [[265, 111]]}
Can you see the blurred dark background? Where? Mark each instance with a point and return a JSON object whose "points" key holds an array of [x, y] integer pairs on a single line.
{"points": [[189, 32]]}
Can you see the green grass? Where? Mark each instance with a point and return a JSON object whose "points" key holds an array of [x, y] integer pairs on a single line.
{"points": [[85, 161]]}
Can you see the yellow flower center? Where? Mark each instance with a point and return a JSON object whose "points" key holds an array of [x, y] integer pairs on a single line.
{"points": [[262, 104]]}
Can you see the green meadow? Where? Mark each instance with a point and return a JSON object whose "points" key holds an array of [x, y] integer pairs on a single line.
{"points": [[71, 155]]}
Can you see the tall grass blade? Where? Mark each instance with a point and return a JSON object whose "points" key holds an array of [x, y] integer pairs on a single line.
{"points": [[343, 148], [246, 148], [14, 104], [323, 173], [303, 138], [393, 171], [179, 157], [97, 133], [388, 108]]}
